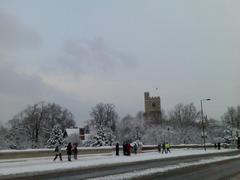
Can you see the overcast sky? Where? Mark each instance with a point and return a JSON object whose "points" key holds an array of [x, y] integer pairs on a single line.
{"points": [[79, 53]]}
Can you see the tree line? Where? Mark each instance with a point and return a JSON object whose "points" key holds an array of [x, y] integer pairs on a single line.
{"points": [[183, 124], [32, 127]]}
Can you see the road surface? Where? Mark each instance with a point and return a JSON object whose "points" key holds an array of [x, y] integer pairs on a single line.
{"points": [[218, 170], [225, 170]]}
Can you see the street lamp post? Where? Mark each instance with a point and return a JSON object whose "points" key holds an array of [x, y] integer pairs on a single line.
{"points": [[203, 128], [168, 135]]}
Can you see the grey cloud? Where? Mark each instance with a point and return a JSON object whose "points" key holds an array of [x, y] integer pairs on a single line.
{"points": [[19, 84], [85, 56], [17, 90], [15, 35]]}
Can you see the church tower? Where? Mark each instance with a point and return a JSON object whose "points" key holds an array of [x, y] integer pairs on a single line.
{"points": [[152, 108]]}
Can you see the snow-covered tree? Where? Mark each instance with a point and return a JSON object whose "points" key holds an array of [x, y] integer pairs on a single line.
{"points": [[215, 131], [103, 116], [232, 119], [102, 137], [16, 137], [131, 128], [3, 133], [36, 123], [56, 137], [154, 135], [184, 118], [103, 123]]}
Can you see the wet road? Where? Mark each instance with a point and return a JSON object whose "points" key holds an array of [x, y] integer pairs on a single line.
{"points": [[226, 170]]}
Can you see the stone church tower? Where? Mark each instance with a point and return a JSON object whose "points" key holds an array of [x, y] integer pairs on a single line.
{"points": [[152, 108]]}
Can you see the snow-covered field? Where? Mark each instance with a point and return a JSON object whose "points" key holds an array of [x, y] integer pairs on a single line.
{"points": [[28, 165]]}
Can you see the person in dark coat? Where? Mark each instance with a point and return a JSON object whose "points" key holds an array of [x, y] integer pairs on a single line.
{"points": [[164, 148], [135, 148], [117, 149], [125, 148], [58, 152], [238, 142], [75, 151], [159, 147], [124, 151], [215, 145], [69, 151], [128, 149], [219, 146]]}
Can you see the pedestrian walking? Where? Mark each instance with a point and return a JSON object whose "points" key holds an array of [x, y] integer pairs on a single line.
{"points": [[219, 145], [238, 142], [159, 147], [69, 151], [75, 151], [58, 152], [135, 148], [164, 148], [117, 149], [128, 149], [140, 146], [167, 147], [124, 149]]}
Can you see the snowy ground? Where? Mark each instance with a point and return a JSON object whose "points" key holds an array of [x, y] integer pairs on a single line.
{"points": [[147, 172], [47, 149], [18, 166]]}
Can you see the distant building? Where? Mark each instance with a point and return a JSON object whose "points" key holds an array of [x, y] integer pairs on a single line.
{"points": [[75, 131], [152, 108]]}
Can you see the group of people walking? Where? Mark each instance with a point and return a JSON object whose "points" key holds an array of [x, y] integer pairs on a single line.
{"points": [[70, 149], [127, 149], [164, 148], [217, 145]]}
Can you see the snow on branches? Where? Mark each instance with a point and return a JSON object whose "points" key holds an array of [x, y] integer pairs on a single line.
{"points": [[56, 137]]}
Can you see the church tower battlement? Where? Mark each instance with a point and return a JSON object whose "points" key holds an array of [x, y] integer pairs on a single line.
{"points": [[152, 108], [152, 104]]}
